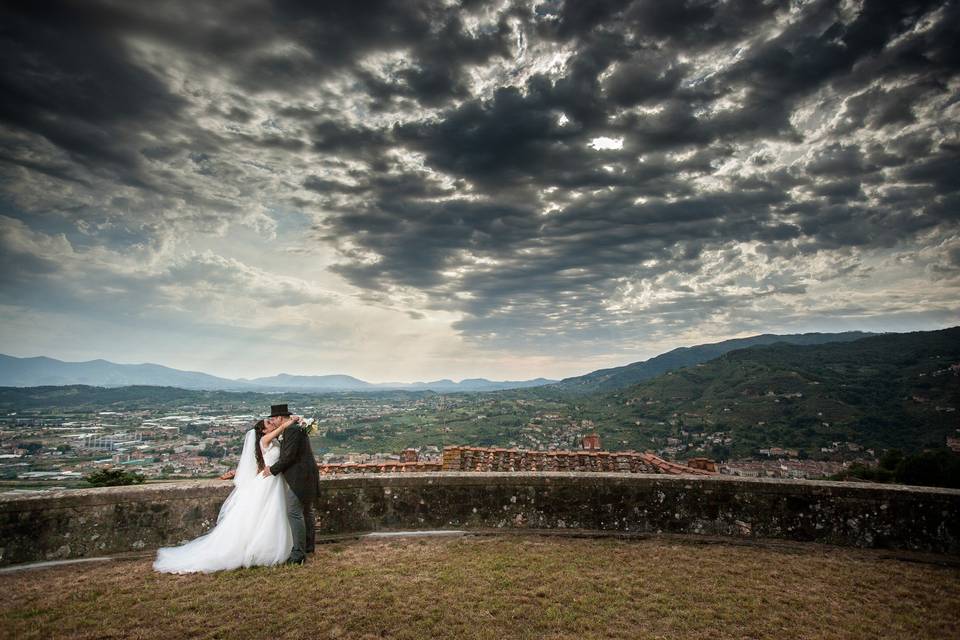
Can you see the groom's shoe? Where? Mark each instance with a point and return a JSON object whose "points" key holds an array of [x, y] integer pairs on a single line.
{"points": [[300, 561]]}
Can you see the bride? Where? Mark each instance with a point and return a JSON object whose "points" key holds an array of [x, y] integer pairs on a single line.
{"points": [[252, 528]]}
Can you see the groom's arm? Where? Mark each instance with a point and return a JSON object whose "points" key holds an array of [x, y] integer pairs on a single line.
{"points": [[289, 452]]}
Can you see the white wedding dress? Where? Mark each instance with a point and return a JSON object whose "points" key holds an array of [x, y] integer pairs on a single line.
{"points": [[252, 527]]}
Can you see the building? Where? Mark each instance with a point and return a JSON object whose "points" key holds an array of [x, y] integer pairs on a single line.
{"points": [[591, 442], [953, 444]]}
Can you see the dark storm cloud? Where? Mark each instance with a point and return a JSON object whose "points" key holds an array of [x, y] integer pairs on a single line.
{"points": [[531, 165], [645, 78], [331, 137], [333, 37], [439, 59], [939, 169], [513, 139], [683, 23], [68, 74], [62, 79], [496, 141]]}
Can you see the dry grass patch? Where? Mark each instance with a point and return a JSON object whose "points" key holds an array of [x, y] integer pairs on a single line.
{"points": [[500, 587]]}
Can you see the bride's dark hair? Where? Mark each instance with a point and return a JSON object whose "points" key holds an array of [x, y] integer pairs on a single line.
{"points": [[258, 432]]}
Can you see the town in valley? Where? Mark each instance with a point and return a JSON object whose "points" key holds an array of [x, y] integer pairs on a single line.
{"points": [[53, 449]]}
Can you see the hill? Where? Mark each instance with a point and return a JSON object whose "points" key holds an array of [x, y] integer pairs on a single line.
{"points": [[891, 390], [79, 398], [286, 382], [43, 372], [887, 391], [620, 377]]}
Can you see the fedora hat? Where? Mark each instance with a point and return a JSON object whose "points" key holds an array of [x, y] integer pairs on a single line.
{"points": [[278, 410]]}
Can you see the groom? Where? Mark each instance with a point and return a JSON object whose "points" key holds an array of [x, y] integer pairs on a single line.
{"points": [[299, 469]]}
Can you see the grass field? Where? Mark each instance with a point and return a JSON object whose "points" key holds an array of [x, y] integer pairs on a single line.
{"points": [[500, 587]]}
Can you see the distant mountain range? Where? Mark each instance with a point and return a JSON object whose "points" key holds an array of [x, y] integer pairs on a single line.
{"points": [[892, 390], [42, 371], [287, 382], [35, 372], [620, 377]]}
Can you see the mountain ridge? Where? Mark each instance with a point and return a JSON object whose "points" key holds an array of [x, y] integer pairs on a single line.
{"points": [[892, 390], [39, 371], [46, 371], [635, 372]]}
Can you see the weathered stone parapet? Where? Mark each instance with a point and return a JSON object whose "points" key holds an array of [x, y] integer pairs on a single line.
{"points": [[465, 458], [848, 514], [95, 522], [378, 467], [485, 459]]}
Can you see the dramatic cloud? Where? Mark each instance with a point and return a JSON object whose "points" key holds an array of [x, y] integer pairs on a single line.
{"points": [[502, 189]]}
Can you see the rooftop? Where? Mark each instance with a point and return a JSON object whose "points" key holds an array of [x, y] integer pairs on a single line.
{"points": [[517, 586]]}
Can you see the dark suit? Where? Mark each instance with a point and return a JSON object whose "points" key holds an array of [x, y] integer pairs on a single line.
{"points": [[299, 469]]}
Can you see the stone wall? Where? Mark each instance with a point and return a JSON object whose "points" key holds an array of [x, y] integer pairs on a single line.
{"points": [[483, 459], [849, 514], [460, 458], [87, 523], [95, 522], [389, 466]]}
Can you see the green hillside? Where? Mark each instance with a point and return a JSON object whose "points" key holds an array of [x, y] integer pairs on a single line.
{"points": [[620, 377], [893, 390]]}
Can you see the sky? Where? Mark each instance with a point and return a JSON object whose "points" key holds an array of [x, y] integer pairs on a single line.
{"points": [[414, 190]]}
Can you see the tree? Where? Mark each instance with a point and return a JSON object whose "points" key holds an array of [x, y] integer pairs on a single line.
{"points": [[891, 458], [720, 452], [113, 478], [212, 451], [940, 468]]}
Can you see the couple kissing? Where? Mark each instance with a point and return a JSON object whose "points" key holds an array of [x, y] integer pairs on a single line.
{"points": [[268, 517]]}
